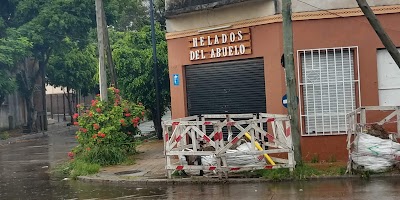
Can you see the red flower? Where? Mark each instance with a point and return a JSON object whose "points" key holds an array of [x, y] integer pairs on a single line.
{"points": [[76, 123], [71, 154], [102, 135], [90, 114], [96, 126], [98, 110], [78, 105], [88, 149], [84, 130], [94, 103], [135, 124], [97, 95], [143, 113], [127, 114], [76, 137], [116, 91], [76, 115], [122, 121], [94, 136]]}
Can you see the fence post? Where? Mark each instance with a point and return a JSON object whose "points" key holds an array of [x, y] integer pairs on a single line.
{"points": [[363, 119], [51, 106], [398, 122]]}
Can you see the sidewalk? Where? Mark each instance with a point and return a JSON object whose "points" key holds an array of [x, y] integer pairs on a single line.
{"points": [[149, 164]]}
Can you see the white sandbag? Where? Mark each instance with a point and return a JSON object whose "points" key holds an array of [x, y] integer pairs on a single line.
{"points": [[234, 160], [375, 154]]}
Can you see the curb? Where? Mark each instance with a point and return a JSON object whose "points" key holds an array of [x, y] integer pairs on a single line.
{"points": [[160, 182], [23, 138]]}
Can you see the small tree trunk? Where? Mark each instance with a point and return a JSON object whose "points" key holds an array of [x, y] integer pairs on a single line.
{"points": [[31, 118], [157, 124]]}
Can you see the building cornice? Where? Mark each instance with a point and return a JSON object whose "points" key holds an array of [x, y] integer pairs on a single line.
{"points": [[326, 14]]}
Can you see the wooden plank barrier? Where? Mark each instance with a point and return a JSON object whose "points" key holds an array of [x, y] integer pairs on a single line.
{"points": [[187, 137]]}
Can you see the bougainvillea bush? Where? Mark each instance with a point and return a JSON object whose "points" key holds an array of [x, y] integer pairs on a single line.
{"points": [[107, 129]]}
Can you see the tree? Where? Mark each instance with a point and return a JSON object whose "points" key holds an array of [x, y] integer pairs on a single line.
{"points": [[126, 15], [13, 48], [73, 68], [134, 65], [45, 24]]}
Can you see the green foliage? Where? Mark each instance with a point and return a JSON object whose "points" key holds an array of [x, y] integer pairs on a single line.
{"points": [[132, 15], [73, 67], [13, 48], [107, 129], [315, 158], [301, 172], [75, 168], [127, 14], [4, 135], [134, 64]]}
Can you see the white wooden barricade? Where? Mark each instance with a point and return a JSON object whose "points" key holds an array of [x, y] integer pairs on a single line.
{"points": [[185, 133]]}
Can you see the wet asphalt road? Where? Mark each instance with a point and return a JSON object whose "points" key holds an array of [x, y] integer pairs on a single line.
{"points": [[24, 175]]}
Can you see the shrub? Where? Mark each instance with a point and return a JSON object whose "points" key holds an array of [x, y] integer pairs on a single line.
{"points": [[107, 129], [4, 135]]}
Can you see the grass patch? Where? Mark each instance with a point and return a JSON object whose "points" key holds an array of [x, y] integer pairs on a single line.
{"points": [[302, 172], [4, 135], [75, 168]]}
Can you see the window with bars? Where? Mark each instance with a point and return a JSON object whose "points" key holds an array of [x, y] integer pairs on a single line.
{"points": [[327, 87]]}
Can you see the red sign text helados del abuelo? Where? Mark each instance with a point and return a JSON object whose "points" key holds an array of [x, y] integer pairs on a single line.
{"points": [[220, 44]]}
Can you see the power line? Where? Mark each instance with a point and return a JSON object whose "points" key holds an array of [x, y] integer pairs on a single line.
{"points": [[325, 10]]}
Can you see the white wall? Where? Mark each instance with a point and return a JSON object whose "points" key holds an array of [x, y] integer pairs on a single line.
{"points": [[15, 107], [315, 5], [218, 16], [54, 90], [257, 9], [388, 79]]}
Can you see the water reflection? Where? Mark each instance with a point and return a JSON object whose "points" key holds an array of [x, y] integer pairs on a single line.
{"points": [[24, 175]]}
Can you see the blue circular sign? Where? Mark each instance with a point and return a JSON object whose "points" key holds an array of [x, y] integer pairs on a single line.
{"points": [[284, 100]]}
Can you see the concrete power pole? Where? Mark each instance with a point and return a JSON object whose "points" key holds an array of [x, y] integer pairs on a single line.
{"points": [[100, 38], [292, 102], [385, 39], [109, 52]]}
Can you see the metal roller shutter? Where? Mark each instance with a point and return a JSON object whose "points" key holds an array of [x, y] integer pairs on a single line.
{"points": [[226, 87]]}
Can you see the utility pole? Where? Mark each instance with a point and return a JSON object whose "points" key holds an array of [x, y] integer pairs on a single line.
{"points": [[292, 103], [153, 41], [109, 52], [100, 38], [385, 39]]}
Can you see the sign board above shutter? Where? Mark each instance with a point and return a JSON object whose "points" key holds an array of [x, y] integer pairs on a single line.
{"points": [[220, 44]]}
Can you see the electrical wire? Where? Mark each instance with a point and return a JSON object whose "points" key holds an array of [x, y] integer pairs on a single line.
{"points": [[328, 11]]}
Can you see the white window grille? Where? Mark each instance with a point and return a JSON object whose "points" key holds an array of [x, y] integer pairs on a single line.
{"points": [[327, 88]]}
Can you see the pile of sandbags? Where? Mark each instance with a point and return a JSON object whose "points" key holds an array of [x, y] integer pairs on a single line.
{"points": [[374, 154], [234, 160]]}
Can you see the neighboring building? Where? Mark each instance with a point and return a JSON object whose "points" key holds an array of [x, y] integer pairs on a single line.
{"points": [[225, 55], [12, 112]]}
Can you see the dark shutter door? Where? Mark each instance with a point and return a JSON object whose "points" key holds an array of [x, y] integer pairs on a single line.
{"points": [[226, 87]]}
